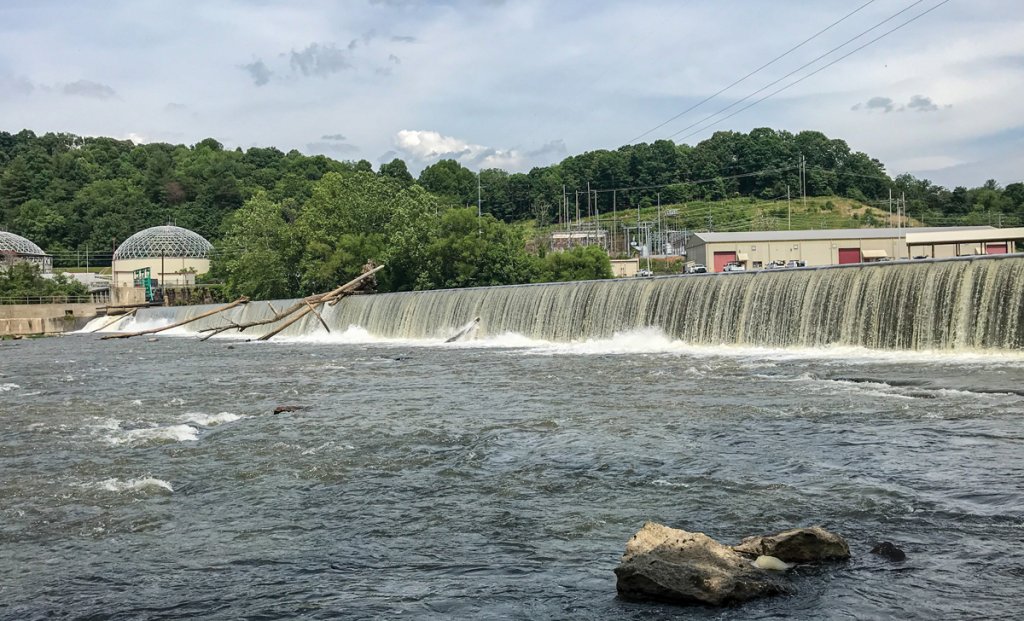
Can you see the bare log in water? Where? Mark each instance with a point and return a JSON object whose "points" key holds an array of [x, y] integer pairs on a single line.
{"points": [[303, 307], [128, 335], [115, 320]]}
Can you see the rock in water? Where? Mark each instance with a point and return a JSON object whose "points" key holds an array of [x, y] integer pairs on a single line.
{"points": [[799, 545], [771, 563], [670, 565], [889, 551], [289, 408]]}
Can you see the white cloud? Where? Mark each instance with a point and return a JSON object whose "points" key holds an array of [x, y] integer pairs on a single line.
{"points": [[425, 147], [503, 78]]}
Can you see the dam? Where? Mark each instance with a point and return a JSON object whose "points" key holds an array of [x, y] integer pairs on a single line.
{"points": [[972, 303]]}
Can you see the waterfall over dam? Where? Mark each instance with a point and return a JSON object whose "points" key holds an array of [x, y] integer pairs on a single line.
{"points": [[971, 303]]}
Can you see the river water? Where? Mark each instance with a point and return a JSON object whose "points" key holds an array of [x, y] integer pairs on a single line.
{"points": [[494, 479]]}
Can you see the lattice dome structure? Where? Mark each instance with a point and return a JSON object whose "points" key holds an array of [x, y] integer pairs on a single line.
{"points": [[164, 241], [11, 243], [15, 248]]}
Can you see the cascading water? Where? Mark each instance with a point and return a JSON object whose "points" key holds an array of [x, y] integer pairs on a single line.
{"points": [[974, 303]]}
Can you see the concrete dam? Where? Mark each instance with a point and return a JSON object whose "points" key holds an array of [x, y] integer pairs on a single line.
{"points": [[974, 303]]}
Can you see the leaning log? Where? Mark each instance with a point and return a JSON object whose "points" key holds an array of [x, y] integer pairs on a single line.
{"points": [[128, 335], [116, 319], [302, 307]]}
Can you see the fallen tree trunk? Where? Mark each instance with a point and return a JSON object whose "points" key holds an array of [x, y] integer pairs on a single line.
{"points": [[303, 307], [128, 335], [116, 319]]}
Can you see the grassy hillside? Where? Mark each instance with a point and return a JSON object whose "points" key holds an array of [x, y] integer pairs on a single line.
{"points": [[741, 214]]}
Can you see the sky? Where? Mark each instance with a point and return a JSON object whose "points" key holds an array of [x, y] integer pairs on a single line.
{"points": [[521, 83]]}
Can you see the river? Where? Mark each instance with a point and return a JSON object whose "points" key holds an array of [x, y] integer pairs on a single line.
{"points": [[493, 479]]}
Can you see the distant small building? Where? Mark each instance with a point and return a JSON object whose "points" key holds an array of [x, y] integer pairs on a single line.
{"points": [[563, 240], [172, 255], [625, 268], [759, 249], [17, 249]]}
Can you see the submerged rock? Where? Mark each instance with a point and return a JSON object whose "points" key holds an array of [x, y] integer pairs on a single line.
{"points": [[289, 408], [798, 545], [671, 565], [889, 551]]}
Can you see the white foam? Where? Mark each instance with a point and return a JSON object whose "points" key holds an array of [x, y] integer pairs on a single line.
{"points": [[8, 387], [172, 433], [135, 485], [210, 420]]}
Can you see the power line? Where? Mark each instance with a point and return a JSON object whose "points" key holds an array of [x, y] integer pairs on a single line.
{"points": [[816, 71], [797, 70], [758, 70]]}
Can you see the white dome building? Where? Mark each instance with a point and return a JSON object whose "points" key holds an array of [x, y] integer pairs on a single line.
{"points": [[17, 249], [173, 255]]}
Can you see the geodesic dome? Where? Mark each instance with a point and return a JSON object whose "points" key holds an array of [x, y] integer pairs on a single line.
{"points": [[9, 242], [164, 241]]}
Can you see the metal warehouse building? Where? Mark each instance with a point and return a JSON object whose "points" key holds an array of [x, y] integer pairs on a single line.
{"points": [[757, 249]]}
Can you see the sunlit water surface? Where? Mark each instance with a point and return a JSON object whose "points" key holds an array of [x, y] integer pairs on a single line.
{"points": [[493, 480]]}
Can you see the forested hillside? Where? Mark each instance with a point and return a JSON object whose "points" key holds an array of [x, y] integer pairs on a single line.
{"points": [[68, 193]]}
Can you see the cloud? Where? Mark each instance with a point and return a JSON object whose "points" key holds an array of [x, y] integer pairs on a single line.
{"points": [[259, 72], [175, 107], [553, 147], [426, 147], [331, 148], [320, 60], [337, 137], [403, 39], [922, 104], [88, 88], [17, 85], [394, 59], [885, 104]]}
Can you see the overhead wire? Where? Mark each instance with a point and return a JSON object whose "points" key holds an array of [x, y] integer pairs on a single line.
{"points": [[804, 66], [758, 70], [816, 71]]}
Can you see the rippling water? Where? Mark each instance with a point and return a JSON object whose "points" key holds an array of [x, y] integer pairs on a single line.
{"points": [[493, 480]]}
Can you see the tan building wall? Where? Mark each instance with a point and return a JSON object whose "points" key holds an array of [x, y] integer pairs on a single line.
{"points": [[625, 268], [171, 275], [817, 252]]}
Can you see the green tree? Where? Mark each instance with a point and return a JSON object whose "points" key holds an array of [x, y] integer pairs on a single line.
{"points": [[579, 263], [475, 252], [258, 253]]}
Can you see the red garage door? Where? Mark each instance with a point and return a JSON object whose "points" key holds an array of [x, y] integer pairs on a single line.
{"points": [[849, 255], [996, 248], [721, 258]]}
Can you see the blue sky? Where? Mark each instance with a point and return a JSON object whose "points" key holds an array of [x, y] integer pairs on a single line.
{"points": [[517, 84]]}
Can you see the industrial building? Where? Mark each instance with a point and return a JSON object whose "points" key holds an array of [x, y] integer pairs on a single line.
{"points": [[161, 256], [17, 249], [760, 249]]}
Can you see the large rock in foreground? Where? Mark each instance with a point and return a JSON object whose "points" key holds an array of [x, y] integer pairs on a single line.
{"points": [[671, 565], [799, 545]]}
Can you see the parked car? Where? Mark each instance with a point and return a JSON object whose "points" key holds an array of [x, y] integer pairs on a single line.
{"points": [[734, 267], [796, 263], [777, 264], [697, 268], [641, 273]]}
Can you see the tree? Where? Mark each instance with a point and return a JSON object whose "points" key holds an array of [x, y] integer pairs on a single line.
{"points": [[450, 180], [26, 280], [474, 252], [579, 263], [258, 253], [396, 169]]}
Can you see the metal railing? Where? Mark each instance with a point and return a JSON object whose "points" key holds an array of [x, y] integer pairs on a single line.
{"points": [[56, 299]]}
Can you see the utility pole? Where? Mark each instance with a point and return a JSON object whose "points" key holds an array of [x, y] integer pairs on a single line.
{"points": [[479, 206], [614, 219], [661, 241], [803, 180], [890, 207], [789, 208]]}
